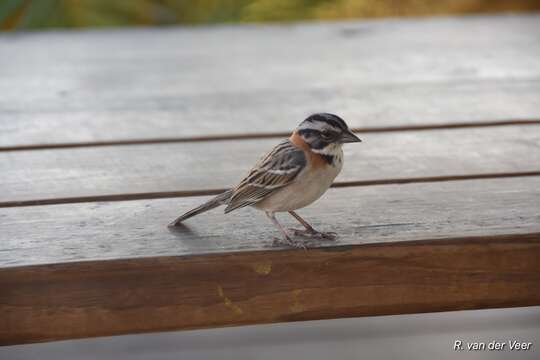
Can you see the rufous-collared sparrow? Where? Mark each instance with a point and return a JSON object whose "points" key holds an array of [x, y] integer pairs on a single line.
{"points": [[291, 176]]}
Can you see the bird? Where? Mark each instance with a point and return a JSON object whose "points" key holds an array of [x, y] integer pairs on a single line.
{"points": [[293, 175]]}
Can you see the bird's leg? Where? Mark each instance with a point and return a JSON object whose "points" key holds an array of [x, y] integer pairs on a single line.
{"points": [[310, 231], [287, 239]]}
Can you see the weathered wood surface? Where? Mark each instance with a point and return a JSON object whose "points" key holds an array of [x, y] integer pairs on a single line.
{"points": [[131, 84], [361, 215], [32, 176], [130, 296]]}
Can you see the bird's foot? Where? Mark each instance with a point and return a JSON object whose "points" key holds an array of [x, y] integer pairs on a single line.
{"points": [[312, 233], [289, 242]]}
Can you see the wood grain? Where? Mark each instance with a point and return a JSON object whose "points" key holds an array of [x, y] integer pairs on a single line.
{"points": [[65, 301], [141, 171], [180, 82], [360, 215]]}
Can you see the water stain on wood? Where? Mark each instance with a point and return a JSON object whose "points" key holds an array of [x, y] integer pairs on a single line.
{"points": [[228, 303]]}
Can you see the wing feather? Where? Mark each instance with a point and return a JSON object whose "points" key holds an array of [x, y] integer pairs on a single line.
{"points": [[274, 171]]}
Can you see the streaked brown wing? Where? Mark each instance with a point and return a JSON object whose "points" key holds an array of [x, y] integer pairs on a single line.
{"points": [[277, 169]]}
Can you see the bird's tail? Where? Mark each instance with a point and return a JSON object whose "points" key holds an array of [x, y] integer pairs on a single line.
{"points": [[221, 199]]}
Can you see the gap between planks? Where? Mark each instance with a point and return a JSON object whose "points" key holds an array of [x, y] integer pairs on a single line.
{"points": [[209, 192], [248, 136]]}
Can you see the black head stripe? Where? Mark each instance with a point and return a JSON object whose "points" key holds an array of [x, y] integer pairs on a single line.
{"points": [[313, 138], [330, 119], [318, 144], [307, 133], [336, 121]]}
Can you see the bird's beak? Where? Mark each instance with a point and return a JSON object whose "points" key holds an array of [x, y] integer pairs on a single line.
{"points": [[349, 137]]}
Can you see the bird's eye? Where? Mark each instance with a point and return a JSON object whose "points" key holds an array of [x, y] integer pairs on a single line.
{"points": [[326, 134]]}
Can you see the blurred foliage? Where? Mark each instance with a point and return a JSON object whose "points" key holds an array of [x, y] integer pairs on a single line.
{"points": [[31, 14]]}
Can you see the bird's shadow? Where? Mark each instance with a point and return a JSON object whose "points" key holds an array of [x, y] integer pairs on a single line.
{"points": [[191, 238], [181, 231]]}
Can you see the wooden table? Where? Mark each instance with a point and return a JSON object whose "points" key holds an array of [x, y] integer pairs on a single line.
{"points": [[106, 136]]}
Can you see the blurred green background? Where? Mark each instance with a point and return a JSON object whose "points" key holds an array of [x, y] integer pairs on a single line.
{"points": [[36, 14]]}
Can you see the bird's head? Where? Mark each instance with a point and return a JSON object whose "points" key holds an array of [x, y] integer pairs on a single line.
{"points": [[325, 133]]}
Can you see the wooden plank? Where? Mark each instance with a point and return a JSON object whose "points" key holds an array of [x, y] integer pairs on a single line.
{"points": [[361, 215], [182, 82], [96, 269], [35, 176], [87, 299]]}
